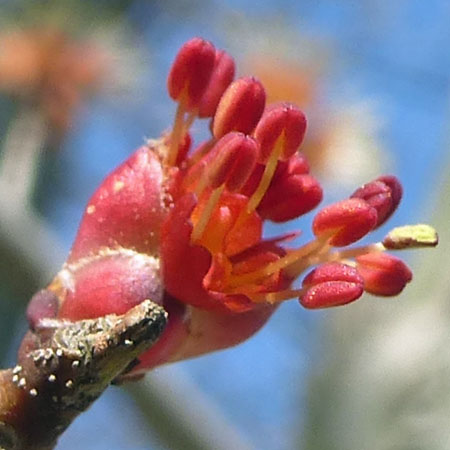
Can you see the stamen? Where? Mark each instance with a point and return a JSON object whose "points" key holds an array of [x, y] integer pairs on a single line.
{"points": [[200, 152], [202, 183], [176, 136], [292, 257], [298, 267], [190, 120], [200, 226], [269, 170], [266, 178], [275, 297], [326, 255], [357, 251]]}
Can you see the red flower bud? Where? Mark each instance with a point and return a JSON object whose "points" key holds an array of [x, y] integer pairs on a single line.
{"points": [[233, 160], [383, 274], [331, 284], [383, 194], [240, 107], [346, 221], [176, 236], [191, 71], [222, 76], [283, 121]]}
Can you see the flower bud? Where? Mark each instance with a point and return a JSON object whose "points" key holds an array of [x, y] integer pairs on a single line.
{"points": [[346, 221], [383, 194], [331, 284], [191, 71], [240, 107], [221, 77], [281, 121], [383, 274], [234, 158]]}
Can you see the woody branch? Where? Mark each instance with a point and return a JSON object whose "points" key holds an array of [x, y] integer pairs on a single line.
{"points": [[62, 369]]}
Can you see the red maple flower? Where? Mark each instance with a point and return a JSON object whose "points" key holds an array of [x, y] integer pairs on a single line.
{"points": [[184, 226]]}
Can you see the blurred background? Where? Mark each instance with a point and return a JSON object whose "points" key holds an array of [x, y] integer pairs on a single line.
{"points": [[83, 83]]}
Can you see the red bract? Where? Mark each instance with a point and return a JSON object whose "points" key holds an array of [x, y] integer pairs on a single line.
{"points": [[185, 227], [43, 304]]}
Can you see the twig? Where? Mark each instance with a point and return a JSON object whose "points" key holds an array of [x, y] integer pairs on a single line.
{"points": [[62, 369]]}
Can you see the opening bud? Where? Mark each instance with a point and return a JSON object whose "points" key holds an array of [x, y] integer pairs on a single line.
{"points": [[346, 221], [221, 77], [191, 72], [383, 194], [284, 124], [383, 274], [411, 236], [331, 284], [240, 107]]}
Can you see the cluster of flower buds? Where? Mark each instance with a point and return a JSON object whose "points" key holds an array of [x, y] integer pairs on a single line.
{"points": [[184, 226]]}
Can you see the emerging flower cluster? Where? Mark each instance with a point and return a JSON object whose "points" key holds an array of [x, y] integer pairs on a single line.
{"points": [[183, 224]]}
